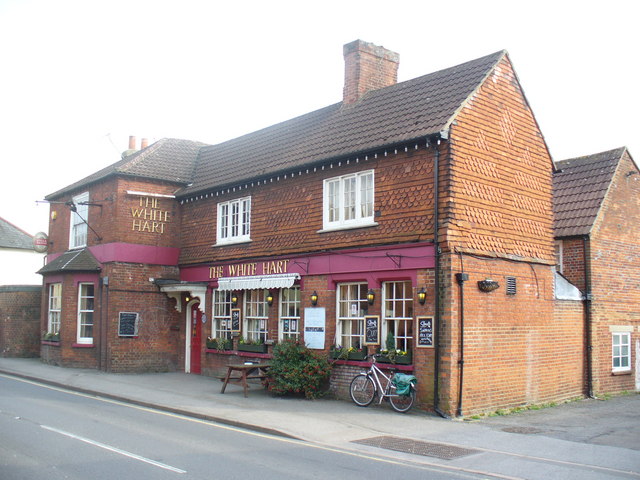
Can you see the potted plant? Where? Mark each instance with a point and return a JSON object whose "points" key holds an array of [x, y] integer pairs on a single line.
{"points": [[51, 337], [251, 346]]}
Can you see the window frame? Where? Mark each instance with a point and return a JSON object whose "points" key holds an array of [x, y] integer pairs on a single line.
{"points": [[78, 231], [619, 355], [348, 202], [256, 315], [54, 314], [350, 319], [221, 313], [390, 301], [230, 220], [284, 306], [84, 313]]}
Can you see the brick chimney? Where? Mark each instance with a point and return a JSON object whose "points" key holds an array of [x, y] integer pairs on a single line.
{"points": [[367, 67]]}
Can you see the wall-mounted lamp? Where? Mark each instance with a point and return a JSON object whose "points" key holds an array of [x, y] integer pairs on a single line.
{"points": [[314, 298], [422, 296], [187, 298], [488, 285], [371, 296], [234, 300], [269, 299]]}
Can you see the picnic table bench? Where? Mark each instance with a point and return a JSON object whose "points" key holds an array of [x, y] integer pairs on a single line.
{"points": [[247, 371]]}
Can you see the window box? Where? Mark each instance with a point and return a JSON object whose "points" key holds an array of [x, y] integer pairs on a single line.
{"points": [[343, 354], [247, 347], [397, 359], [219, 344]]}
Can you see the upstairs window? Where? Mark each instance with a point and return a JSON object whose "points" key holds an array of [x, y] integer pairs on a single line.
{"points": [[234, 221], [79, 219], [348, 201]]}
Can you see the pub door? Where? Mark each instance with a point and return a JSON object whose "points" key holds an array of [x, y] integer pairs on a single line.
{"points": [[196, 339]]}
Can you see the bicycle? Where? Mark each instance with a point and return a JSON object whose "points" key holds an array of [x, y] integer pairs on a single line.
{"points": [[366, 385]]}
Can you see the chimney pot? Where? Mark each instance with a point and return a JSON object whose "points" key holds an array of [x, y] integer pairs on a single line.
{"points": [[132, 142], [367, 67], [144, 143]]}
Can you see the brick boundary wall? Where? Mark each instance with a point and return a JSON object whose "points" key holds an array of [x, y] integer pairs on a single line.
{"points": [[20, 320]]}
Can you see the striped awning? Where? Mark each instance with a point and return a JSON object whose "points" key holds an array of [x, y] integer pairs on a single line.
{"points": [[257, 282]]}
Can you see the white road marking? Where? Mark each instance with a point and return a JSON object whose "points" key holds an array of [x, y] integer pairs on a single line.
{"points": [[114, 449]]}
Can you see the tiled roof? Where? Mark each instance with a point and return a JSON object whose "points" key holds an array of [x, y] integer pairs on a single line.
{"points": [[12, 237], [403, 112], [73, 261], [167, 159], [579, 188]]}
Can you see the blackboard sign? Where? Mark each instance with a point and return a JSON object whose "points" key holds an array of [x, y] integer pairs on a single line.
{"points": [[372, 330], [235, 319], [128, 324], [425, 331]]}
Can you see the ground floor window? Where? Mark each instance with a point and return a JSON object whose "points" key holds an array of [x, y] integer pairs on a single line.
{"points": [[55, 303], [85, 312], [255, 315], [289, 313], [398, 321], [352, 307], [621, 351], [221, 325]]}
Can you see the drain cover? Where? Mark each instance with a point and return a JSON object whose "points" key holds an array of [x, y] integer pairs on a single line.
{"points": [[417, 447]]}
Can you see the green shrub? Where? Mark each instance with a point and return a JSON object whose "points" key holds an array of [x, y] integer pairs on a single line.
{"points": [[297, 369]]}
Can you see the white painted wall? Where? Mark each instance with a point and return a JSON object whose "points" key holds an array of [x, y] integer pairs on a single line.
{"points": [[18, 267]]}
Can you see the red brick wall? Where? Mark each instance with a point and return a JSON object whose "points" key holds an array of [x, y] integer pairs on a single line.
{"points": [[573, 261], [20, 321], [113, 220], [615, 275], [518, 349], [286, 215], [159, 345]]}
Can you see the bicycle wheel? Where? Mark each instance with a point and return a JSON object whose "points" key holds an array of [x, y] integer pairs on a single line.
{"points": [[402, 403], [362, 390]]}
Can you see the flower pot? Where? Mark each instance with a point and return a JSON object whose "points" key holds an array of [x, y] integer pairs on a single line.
{"points": [[244, 347]]}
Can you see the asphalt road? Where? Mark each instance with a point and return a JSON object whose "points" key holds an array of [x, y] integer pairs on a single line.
{"points": [[46, 432]]}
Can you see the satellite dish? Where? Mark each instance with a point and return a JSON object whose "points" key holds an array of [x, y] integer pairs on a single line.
{"points": [[41, 242]]}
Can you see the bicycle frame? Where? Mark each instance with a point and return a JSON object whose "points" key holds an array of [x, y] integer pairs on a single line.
{"points": [[375, 373]]}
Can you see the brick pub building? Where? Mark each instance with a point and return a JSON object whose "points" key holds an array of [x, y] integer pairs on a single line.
{"points": [[419, 212]]}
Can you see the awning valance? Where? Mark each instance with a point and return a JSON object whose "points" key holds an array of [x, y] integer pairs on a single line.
{"points": [[257, 282]]}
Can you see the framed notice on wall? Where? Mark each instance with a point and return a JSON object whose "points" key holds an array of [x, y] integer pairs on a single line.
{"points": [[425, 331], [128, 324], [235, 319], [372, 330]]}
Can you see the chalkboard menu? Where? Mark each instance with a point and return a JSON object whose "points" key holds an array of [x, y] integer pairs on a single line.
{"points": [[372, 330], [425, 331], [128, 324], [235, 319]]}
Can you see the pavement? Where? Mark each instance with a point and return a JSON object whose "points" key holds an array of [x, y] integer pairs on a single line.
{"points": [[586, 439]]}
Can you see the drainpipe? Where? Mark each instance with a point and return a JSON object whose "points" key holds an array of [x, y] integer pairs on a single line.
{"points": [[587, 313], [461, 278], [436, 245]]}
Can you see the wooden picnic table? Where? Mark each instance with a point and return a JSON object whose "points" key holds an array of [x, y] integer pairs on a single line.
{"points": [[247, 371]]}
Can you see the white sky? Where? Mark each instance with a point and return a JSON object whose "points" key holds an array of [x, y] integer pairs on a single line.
{"points": [[77, 77]]}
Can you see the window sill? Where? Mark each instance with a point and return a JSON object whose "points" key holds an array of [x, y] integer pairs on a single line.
{"points": [[83, 345], [348, 227], [236, 242], [617, 373]]}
